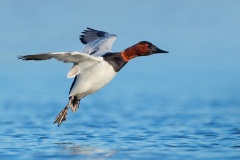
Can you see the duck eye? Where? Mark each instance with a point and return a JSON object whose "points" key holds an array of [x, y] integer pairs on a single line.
{"points": [[149, 45]]}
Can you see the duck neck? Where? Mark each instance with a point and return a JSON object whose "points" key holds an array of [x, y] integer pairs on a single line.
{"points": [[130, 53], [115, 60]]}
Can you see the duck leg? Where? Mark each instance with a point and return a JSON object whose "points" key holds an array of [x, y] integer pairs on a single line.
{"points": [[62, 116], [75, 104]]}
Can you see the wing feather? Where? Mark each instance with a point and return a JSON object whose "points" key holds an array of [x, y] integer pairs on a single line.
{"points": [[66, 57], [91, 35], [97, 42]]}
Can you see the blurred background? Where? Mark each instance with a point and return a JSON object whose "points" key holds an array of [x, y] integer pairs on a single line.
{"points": [[202, 38], [199, 75]]}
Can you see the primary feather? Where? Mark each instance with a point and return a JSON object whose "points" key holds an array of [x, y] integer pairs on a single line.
{"points": [[97, 42]]}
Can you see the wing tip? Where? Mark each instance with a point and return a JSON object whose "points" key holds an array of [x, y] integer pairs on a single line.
{"points": [[82, 37], [22, 57], [90, 34]]}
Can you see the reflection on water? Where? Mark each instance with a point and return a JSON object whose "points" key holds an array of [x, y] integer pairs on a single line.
{"points": [[89, 151]]}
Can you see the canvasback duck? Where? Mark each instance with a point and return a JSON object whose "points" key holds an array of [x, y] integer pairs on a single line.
{"points": [[95, 66]]}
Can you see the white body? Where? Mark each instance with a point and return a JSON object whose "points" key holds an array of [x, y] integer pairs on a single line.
{"points": [[92, 79]]}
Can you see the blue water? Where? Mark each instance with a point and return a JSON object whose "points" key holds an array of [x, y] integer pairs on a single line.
{"points": [[178, 118]]}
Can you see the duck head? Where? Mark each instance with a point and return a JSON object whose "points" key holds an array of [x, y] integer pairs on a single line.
{"points": [[143, 48]]}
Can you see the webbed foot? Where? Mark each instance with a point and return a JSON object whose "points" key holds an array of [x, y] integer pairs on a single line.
{"points": [[61, 116]]}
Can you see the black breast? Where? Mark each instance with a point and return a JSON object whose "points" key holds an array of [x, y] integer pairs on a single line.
{"points": [[115, 60]]}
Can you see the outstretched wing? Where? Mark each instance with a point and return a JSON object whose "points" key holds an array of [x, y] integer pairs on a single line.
{"points": [[66, 57], [81, 61], [97, 42]]}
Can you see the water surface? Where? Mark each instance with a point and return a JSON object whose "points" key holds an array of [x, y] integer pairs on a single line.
{"points": [[136, 122]]}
